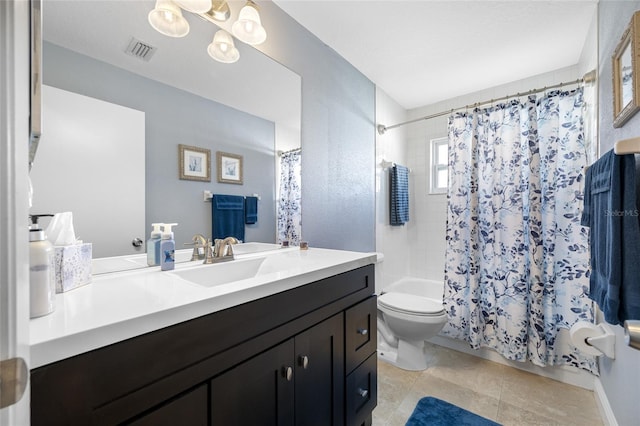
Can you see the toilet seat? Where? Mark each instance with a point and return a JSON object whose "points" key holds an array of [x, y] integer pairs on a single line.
{"points": [[411, 304]]}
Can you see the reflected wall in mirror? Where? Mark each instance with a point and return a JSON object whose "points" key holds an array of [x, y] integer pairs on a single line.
{"points": [[251, 108]]}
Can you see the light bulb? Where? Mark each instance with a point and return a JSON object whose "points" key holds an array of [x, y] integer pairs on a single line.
{"points": [[248, 27], [167, 19], [222, 48]]}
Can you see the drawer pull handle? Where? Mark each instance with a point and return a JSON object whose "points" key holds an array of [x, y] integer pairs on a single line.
{"points": [[363, 392], [303, 361], [287, 373], [363, 331]]}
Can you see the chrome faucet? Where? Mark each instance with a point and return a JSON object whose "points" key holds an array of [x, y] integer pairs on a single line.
{"points": [[220, 250], [199, 247]]}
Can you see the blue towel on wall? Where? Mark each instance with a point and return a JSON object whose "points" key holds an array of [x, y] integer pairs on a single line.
{"points": [[399, 195], [227, 216], [250, 210], [611, 212]]}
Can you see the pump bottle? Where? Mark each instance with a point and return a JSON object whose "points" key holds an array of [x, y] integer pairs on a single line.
{"points": [[41, 270], [167, 248], [153, 245]]}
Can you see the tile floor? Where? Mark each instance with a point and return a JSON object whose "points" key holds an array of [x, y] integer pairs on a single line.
{"points": [[503, 394]]}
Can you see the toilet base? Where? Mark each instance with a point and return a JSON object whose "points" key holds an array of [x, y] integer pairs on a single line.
{"points": [[408, 355]]}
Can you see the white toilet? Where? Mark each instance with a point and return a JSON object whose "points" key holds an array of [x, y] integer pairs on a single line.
{"points": [[409, 312]]}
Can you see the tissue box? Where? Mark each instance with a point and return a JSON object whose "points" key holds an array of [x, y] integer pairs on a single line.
{"points": [[72, 266]]}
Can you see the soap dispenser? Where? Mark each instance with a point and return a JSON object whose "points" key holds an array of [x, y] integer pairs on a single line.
{"points": [[41, 270], [153, 245], [167, 248]]}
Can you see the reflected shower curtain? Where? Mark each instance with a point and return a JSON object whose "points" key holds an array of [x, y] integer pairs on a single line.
{"points": [[289, 206], [517, 259]]}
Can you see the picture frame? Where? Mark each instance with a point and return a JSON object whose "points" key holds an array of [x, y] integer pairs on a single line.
{"points": [[229, 167], [194, 163], [626, 76]]}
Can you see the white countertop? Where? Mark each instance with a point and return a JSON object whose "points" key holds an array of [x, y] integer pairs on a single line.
{"points": [[119, 306]]}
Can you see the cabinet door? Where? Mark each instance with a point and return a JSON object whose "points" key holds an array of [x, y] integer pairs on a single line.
{"points": [[259, 391], [319, 378], [188, 409]]}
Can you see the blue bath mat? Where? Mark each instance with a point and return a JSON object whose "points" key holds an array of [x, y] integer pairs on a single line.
{"points": [[432, 411]]}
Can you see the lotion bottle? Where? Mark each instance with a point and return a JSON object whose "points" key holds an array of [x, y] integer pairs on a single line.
{"points": [[41, 271], [153, 245], [167, 248]]}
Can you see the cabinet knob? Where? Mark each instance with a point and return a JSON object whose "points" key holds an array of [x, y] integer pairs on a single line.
{"points": [[137, 242], [303, 361], [287, 373], [363, 392], [363, 331]]}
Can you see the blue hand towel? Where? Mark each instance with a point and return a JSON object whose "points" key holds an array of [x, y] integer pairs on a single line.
{"points": [[399, 195], [228, 216], [611, 212], [250, 210]]}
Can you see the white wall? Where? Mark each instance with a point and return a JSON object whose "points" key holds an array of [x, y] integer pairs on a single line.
{"points": [[391, 241]]}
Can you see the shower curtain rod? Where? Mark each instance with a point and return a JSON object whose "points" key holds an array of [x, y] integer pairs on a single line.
{"points": [[586, 79]]}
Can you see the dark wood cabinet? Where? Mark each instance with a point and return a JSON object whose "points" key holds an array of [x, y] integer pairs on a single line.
{"points": [[190, 408], [299, 382], [319, 374], [256, 392], [293, 358]]}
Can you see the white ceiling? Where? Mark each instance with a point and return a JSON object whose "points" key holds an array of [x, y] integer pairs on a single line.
{"points": [[421, 52]]}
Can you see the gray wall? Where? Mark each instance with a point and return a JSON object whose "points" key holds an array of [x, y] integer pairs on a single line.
{"points": [[338, 136], [620, 377], [172, 117]]}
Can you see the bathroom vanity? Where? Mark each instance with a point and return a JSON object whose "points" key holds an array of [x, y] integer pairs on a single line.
{"points": [[292, 344]]}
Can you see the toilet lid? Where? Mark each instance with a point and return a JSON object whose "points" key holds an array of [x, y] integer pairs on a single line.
{"points": [[403, 302]]}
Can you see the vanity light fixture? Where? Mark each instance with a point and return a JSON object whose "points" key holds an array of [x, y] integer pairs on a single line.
{"points": [[248, 27], [167, 19], [222, 48]]}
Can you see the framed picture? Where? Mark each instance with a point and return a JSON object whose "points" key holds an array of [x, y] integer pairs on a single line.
{"points": [[626, 78], [194, 163], [229, 168]]}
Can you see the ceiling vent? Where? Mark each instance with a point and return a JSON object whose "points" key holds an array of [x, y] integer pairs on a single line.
{"points": [[140, 49]]}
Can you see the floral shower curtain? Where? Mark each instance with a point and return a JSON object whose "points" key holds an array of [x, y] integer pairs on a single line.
{"points": [[289, 208], [517, 259]]}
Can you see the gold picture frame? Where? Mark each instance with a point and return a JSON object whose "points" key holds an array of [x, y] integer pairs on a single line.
{"points": [[229, 167], [626, 78], [194, 163]]}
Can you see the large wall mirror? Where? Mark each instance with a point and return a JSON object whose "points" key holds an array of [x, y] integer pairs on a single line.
{"points": [[249, 108]]}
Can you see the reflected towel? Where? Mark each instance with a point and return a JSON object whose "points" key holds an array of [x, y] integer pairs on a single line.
{"points": [[227, 216], [250, 210], [399, 195], [611, 212]]}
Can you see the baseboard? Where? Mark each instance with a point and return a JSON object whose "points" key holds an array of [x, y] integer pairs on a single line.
{"points": [[565, 374], [606, 412]]}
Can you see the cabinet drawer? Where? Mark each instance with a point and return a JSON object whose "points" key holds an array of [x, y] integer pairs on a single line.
{"points": [[362, 392], [360, 332]]}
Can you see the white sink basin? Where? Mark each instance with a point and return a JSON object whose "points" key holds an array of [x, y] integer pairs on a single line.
{"points": [[248, 248], [221, 273]]}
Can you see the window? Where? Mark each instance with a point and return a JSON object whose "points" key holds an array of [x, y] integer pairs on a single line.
{"points": [[439, 161]]}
